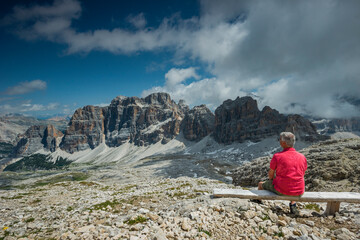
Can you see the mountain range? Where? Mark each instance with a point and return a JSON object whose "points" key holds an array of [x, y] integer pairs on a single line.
{"points": [[157, 118]]}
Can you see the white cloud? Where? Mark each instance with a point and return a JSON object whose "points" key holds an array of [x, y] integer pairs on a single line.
{"points": [[26, 87], [206, 90], [298, 56], [176, 76], [137, 21], [27, 106]]}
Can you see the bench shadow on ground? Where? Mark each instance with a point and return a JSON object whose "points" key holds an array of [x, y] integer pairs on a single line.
{"points": [[174, 166]]}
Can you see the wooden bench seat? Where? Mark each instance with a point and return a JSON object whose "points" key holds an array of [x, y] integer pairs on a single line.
{"points": [[333, 199]]}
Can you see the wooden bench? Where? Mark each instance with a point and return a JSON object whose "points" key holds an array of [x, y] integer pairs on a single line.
{"points": [[333, 199]]}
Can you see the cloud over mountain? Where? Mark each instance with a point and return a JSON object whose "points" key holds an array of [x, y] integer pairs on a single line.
{"points": [[298, 56], [26, 87]]}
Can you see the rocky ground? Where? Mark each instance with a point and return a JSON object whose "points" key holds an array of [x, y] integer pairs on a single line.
{"points": [[148, 200], [160, 208], [333, 165]]}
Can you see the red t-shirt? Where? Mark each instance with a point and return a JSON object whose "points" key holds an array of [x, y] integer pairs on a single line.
{"points": [[290, 167]]}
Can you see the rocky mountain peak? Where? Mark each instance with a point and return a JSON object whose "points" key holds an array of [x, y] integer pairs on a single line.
{"points": [[241, 120], [85, 129], [183, 107], [159, 99], [157, 118], [141, 121], [198, 123], [38, 137]]}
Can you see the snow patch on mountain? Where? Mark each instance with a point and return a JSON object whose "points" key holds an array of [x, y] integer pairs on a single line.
{"points": [[126, 153]]}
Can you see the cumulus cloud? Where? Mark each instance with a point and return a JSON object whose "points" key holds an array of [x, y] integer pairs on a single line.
{"points": [[300, 56], [137, 21], [26, 87], [27, 107], [176, 76], [202, 90]]}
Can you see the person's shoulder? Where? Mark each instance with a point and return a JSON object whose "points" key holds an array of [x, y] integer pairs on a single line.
{"points": [[300, 154], [277, 155]]}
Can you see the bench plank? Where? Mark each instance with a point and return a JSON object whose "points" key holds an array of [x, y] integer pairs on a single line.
{"points": [[351, 197]]}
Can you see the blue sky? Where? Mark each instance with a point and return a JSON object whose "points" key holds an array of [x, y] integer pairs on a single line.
{"points": [[96, 77], [298, 57]]}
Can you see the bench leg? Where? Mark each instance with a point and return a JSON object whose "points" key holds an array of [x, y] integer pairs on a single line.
{"points": [[332, 208]]}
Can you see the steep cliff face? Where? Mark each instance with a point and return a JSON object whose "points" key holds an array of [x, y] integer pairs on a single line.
{"points": [[145, 121], [198, 123], [241, 120], [331, 126], [303, 128], [38, 137], [142, 120], [85, 130]]}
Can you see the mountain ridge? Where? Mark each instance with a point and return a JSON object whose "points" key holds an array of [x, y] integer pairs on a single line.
{"points": [[158, 118]]}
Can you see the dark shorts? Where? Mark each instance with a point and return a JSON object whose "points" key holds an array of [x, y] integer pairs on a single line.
{"points": [[268, 185]]}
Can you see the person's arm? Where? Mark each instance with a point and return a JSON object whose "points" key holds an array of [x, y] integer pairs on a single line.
{"points": [[271, 174]]}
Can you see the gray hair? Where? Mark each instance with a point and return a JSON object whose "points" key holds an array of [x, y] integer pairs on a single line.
{"points": [[288, 138]]}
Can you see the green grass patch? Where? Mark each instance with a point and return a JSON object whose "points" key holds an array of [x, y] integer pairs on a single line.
{"points": [[104, 205], [36, 201], [138, 219], [14, 197], [262, 229], [89, 184], [106, 188], [312, 206], [20, 196], [186, 185], [183, 195], [201, 182], [7, 233], [6, 187], [128, 187], [162, 183], [279, 234], [65, 177], [6, 148], [205, 231], [30, 220], [38, 162]]}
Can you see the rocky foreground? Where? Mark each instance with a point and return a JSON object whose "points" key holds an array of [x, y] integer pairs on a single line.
{"points": [[144, 201], [158, 208], [333, 165]]}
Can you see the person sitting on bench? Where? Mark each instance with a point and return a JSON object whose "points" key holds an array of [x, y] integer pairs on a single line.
{"points": [[287, 170]]}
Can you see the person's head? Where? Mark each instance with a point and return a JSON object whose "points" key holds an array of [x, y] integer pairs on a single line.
{"points": [[287, 139]]}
